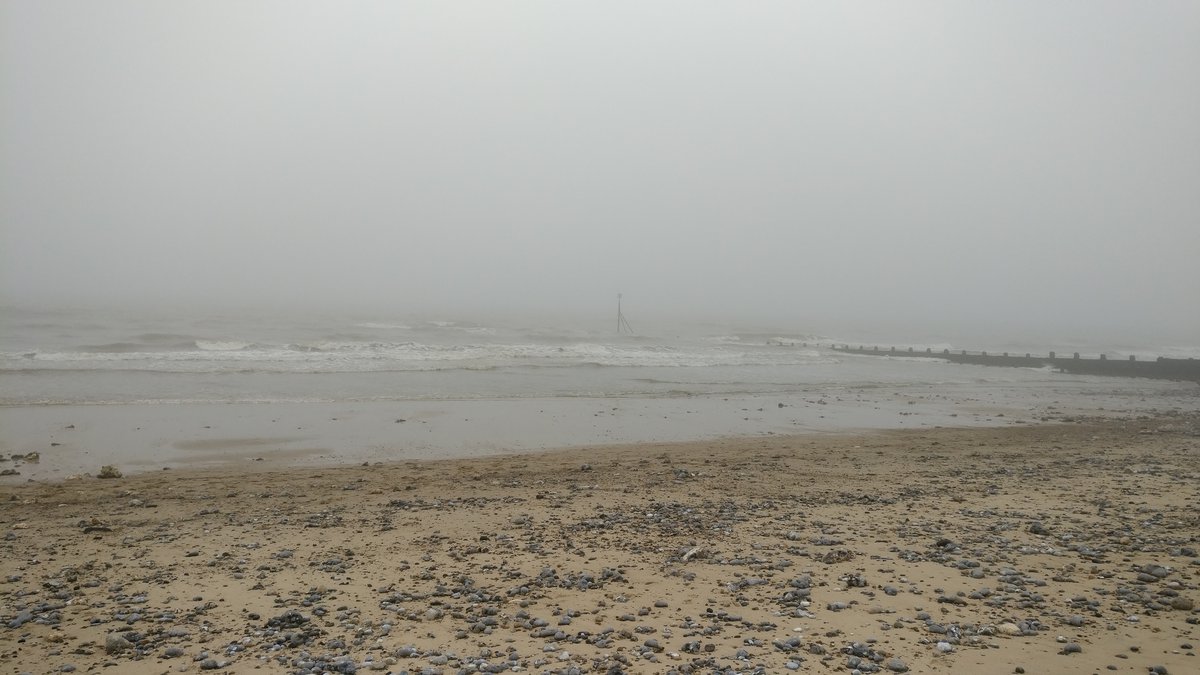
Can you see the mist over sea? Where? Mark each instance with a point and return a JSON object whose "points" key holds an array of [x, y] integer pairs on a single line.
{"points": [[90, 356]]}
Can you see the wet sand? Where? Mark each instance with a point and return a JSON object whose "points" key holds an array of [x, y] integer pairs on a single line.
{"points": [[79, 439], [1050, 548]]}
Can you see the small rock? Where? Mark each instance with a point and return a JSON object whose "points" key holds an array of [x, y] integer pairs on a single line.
{"points": [[109, 471], [115, 644], [21, 618]]}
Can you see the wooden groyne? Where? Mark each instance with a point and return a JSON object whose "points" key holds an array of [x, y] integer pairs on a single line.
{"points": [[1162, 368]]}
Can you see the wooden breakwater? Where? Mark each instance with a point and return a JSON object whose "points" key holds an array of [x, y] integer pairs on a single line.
{"points": [[1161, 368]]}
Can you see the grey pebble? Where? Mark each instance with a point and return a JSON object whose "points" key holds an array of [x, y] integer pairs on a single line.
{"points": [[115, 644], [21, 618]]}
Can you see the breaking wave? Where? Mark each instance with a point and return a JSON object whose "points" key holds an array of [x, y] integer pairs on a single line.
{"points": [[360, 356]]}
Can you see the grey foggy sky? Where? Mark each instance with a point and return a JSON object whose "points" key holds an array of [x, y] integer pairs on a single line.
{"points": [[1009, 166]]}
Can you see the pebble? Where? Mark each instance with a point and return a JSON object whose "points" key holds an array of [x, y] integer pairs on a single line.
{"points": [[20, 619], [115, 644]]}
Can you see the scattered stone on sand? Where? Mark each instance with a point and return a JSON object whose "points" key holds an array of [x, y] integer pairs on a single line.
{"points": [[891, 552]]}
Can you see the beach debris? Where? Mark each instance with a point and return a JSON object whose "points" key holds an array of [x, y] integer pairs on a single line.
{"points": [[109, 471], [94, 525], [834, 557]]}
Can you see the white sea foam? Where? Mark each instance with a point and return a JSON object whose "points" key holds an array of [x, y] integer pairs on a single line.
{"points": [[356, 356], [222, 345], [723, 339], [383, 326]]}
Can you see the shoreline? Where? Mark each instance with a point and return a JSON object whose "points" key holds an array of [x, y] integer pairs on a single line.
{"points": [[77, 440], [1054, 548]]}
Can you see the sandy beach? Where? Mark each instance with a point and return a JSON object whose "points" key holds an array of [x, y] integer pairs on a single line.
{"points": [[1050, 548]]}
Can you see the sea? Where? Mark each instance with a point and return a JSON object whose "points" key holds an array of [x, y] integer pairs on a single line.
{"points": [[88, 356], [143, 390]]}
